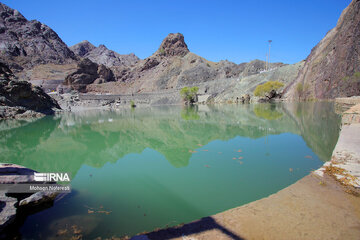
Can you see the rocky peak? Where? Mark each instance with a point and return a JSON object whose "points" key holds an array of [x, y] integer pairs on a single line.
{"points": [[102, 46], [82, 48], [10, 15], [102, 49], [173, 45], [103, 55]]}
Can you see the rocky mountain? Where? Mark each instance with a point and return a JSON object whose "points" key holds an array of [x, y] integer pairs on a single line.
{"points": [[24, 44], [118, 63], [173, 66], [82, 48], [21, 99], [333, 67], [102, 55], [36, 53]]}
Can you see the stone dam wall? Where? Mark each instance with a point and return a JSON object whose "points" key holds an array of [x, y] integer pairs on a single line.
{"points": [[153, 98]]}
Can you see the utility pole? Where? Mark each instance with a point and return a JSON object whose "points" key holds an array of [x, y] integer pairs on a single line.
{"points": [[270, 41], [266, 62]]}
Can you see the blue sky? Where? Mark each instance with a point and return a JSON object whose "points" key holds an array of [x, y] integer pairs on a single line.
{"points": [[217, 30]]}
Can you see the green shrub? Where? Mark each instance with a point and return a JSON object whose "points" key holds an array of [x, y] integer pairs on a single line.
{"points": [[356, 75], [190, 113], [350, 83], [267, 111], [354, 78], [301, 89], [263, 89], [189, 94], [162, 51], [132, 104]]}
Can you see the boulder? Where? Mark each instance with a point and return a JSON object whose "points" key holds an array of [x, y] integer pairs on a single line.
{"points": [[7, 210], [149, 63], [244, 99], [86, 73], [38, 198], [105, 73]]}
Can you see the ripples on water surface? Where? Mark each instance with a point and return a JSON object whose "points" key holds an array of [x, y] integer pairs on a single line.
{"points": [[133, 171]]}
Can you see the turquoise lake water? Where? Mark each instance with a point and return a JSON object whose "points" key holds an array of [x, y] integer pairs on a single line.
{"points": [[138, 170]]}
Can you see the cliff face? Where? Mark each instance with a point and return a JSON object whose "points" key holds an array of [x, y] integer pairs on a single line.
{"points": [[20, 98], [24, 44], [333, 67]]}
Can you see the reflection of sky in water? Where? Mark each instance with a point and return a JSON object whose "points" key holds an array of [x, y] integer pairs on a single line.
{"points": [[138, 170]]}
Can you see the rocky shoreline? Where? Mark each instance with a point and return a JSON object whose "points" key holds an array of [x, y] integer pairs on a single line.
{"points": [[15, 207], [323, 205]]}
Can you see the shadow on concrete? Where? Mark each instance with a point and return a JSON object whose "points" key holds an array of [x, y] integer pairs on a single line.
{"points": [[202, 225]]}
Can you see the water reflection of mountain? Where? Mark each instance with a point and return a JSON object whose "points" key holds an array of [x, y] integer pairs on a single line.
{"points": [[66, 142]]}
